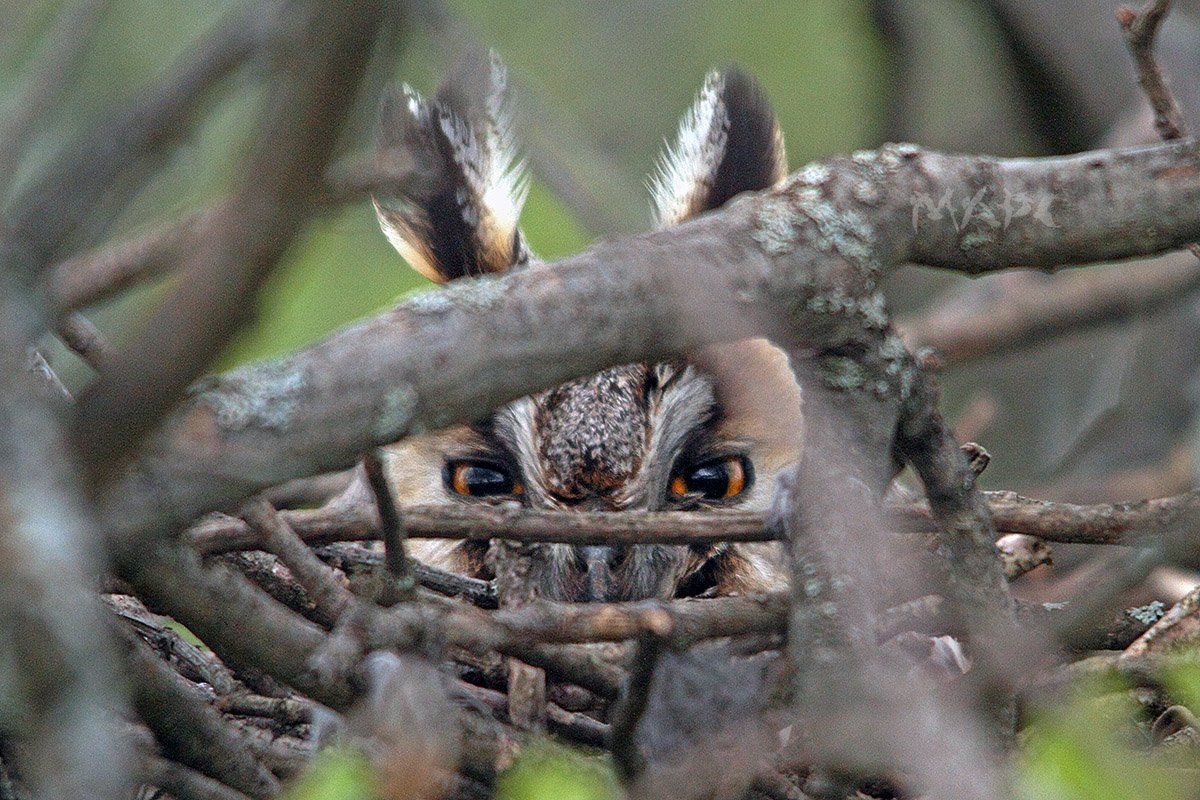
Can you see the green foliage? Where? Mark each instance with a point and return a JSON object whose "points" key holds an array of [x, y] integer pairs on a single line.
{"points": [[336, 774], [1095, 747], [549, 772], [1183, 681]]}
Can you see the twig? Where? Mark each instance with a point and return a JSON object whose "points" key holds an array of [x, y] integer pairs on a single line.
{"points": [[1178, 626], [628, 712], [1105, 523], [402, 584], [188, 728], [324, 587], [288, 710], [513, 564], [190, 661], [570, 725], [83, 337], [350, 558], [184, 783], [1141, 28]]}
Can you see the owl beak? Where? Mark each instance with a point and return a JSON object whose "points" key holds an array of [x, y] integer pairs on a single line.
{"points": [[598, 577]]}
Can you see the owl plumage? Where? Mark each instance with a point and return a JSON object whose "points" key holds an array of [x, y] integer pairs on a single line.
{"points": [[707, 432]]}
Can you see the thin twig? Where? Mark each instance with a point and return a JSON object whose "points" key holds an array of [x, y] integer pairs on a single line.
{"points": [[628, 712], [402, 584], [1051, 521], [323, 585], [1141, 29], [188, 728]]}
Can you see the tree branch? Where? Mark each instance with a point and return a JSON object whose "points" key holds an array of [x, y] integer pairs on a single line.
{"points": [[496, 339], [316, 73]]}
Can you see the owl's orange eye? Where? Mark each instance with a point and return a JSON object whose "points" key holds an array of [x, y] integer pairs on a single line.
{"points": [[480, 479], [720, 479]]}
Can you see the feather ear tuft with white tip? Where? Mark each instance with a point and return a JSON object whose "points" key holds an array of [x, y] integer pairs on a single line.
{"points": [[466, 222], [729, 142]]}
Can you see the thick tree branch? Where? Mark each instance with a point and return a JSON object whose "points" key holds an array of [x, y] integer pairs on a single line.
{"points": [[496, 339]]}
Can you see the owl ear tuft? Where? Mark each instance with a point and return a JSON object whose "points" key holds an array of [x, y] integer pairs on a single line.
{"points": [[729, 142], [464, 220]]}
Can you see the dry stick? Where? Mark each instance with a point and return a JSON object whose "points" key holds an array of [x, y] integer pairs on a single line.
{"points": [[322, 584], [402, 585], [1141, 29], [242, 625], [355, 559], [188, 728], [570, 725], [628, 712], [190, 661], [1105, 523], [516, 586], [1178, 626], [315, 76], [443, 356], [287, 710]]}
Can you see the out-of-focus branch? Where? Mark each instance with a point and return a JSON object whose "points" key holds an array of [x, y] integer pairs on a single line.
{"points": [[44, 215], [98, 274], [85, 339], [184, 783], [53, 70], [316, 74], [628, 713], [60, 675], [1071, 304]]}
